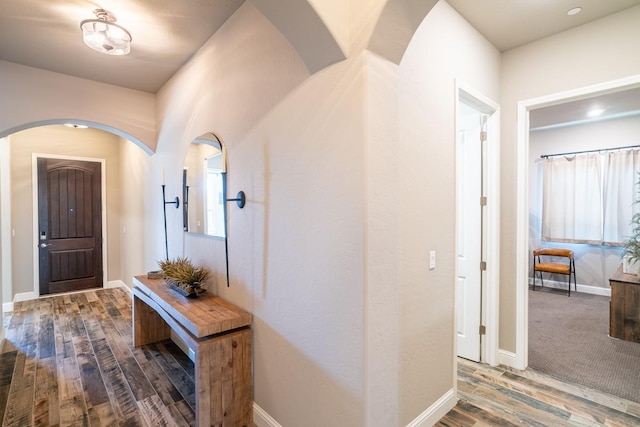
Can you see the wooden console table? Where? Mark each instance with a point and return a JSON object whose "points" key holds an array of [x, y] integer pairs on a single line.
{"points": [[219, 336], [624, 309]]}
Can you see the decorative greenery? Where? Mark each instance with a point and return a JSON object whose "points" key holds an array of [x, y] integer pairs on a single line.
{"points": [[631, 246], [181, 273]]}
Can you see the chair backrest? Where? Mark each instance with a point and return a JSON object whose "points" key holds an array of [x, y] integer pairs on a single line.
{"points": [[568, 253]]}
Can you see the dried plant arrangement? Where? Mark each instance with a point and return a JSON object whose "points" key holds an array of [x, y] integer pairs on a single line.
{"points": [[185, 277]]}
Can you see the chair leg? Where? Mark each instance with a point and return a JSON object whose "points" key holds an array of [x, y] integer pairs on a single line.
{"points": [[534, 273], [534, 280]]}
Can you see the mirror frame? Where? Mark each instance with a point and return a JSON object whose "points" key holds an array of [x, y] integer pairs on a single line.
{"points": [[210, 139]]}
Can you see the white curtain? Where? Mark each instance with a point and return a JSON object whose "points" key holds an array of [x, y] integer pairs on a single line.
{"points": [[621, 189], [572, 199], [588, 198]]}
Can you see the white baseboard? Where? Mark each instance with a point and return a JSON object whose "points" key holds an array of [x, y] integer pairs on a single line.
{"points": [[262, 419], [436, 411], [24, 296], [587, 289], [7, 307], [117, 284], [508, 358]]}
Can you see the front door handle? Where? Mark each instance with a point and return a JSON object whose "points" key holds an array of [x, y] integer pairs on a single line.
{"points": [[44, 245]]}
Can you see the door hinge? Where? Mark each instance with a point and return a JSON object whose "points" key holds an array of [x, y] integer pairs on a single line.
{"points": [[483, 330], [483, 136], [483, 201], [483, 266]]}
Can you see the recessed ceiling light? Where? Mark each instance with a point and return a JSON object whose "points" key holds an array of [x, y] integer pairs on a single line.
{"points": [[574, 11], [595, 112]]}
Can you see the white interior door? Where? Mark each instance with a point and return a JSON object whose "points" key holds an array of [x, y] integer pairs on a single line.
{"points": [[469, 226]]}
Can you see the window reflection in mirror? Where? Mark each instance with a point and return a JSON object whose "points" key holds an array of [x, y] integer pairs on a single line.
{"points": [[203, 185]]}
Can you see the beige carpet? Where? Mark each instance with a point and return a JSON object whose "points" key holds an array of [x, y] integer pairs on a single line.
{"points": [[568, 338]]}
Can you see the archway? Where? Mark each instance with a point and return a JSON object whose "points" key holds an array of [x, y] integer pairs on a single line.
{"points": [[18, 215]]}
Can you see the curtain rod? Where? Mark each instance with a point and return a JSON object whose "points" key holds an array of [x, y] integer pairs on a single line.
{"points": [[601, 150]]}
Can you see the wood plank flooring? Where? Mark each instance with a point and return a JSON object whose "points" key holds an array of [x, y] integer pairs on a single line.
{"points": [[490, 396], [69, 361]]}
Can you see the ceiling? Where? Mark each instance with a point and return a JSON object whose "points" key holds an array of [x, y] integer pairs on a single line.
{"points": [[511, 23], [46, 34], [619, 104], [508, 24]]}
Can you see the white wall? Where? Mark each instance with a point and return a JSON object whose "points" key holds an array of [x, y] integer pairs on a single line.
{"points": [[5, 243], [330, 252], [601, 51], [444, 48], [594, 264], [133, 169], [294, 146], [33, 97]]}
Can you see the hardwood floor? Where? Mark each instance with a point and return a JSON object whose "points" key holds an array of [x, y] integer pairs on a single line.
{"points": [[501, 396], [69, 361]]}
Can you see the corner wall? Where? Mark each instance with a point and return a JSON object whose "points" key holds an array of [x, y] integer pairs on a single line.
{"points": [[330, 219], [445, 48], [294, 145]]}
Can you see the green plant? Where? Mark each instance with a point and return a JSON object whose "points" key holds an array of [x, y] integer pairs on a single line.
{"points": [[631, 246], [182, 273]]}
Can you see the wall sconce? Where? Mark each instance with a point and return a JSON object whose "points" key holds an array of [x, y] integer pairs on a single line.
{"points": [[240, 199], [176, 202]]}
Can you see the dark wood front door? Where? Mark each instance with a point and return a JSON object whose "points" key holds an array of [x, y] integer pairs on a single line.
{"points": [[69, 225]]}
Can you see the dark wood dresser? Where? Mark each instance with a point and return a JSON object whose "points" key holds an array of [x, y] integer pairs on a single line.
{"points": [[624, 309]]}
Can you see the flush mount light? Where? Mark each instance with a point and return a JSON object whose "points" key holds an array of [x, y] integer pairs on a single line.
{"points": [[104, 35], [574, 11]]}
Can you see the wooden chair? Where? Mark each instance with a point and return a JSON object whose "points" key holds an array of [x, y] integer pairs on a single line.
{"points": [[554, 265]]}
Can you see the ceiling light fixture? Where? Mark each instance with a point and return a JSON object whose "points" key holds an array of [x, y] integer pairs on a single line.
{"points": [[574, 11], [104, 35]]}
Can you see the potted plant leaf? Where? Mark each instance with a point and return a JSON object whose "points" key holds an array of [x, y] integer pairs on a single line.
{"points": [[631, 246], [184, 277]]}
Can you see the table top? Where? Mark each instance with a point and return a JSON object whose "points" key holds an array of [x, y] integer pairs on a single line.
{"points": [[619, 276], [202, 316]]}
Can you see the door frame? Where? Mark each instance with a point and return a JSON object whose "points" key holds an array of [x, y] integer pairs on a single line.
{"points": [[521, 360], [103, 192], [491, 277]]}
